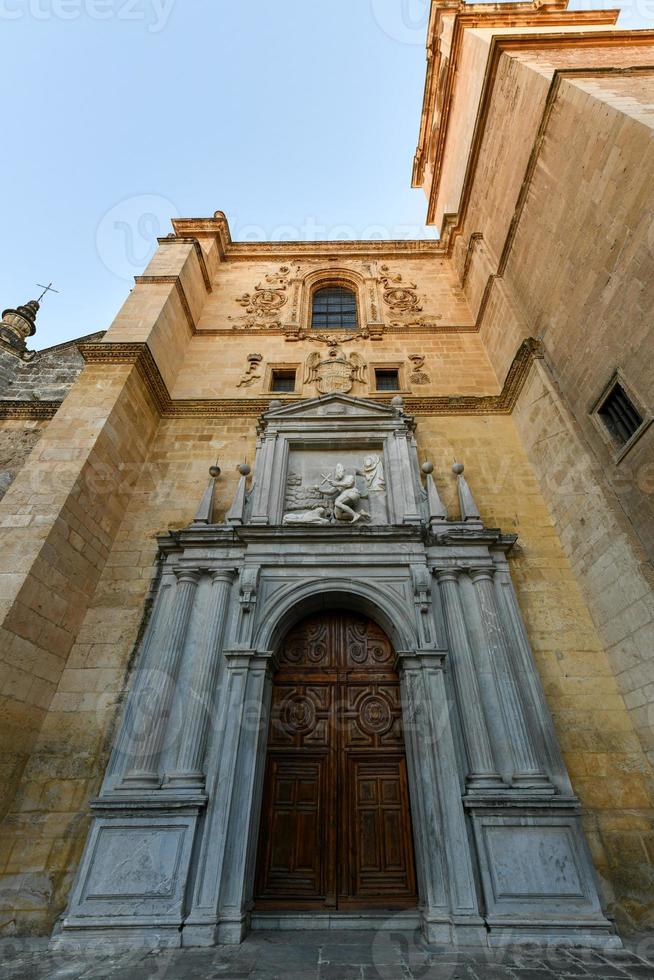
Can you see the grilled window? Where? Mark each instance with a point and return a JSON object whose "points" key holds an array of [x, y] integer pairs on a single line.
{"points": [[387, 380], [334, 308], [283, 381], [619, 415]]}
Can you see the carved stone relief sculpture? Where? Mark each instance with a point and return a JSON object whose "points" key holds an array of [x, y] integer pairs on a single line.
{"points": [[250, 375], [401, 297], [418, 376], [336, 372], [265, 303], [337, 499]]}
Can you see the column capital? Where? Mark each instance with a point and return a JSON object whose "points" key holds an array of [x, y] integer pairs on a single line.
{"points": [[420, 659], [482, 572], [227, 575], [192, 575], [250, 659], [448, 574]]}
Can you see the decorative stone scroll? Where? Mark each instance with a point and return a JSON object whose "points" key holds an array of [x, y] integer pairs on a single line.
{"points": [[264, 304], [401, 297]]}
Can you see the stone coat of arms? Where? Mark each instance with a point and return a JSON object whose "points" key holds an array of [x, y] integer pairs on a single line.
{"points": [[336, 372]]}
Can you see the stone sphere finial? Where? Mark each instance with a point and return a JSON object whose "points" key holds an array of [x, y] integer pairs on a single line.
{"points": [[427, 468], [458, 469], [275, 403], [397, 402], [244, 469], [215, 472]]}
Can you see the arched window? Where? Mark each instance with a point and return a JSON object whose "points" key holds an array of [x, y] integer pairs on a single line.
{"points": [[334, 308]]}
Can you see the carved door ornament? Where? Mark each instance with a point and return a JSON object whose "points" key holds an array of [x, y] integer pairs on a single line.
{"points": [[418, 376], [250, 375], [336, 372]]}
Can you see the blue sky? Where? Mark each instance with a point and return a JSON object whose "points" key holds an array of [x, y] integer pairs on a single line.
{"points": [[298, 119]]}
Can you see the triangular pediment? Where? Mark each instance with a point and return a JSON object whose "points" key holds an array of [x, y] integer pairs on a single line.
{"points": [[334, 406]]}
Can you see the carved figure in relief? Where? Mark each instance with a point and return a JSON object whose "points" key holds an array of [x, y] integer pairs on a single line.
{"points": [[317, 515], [347, 496], [373, 471]]}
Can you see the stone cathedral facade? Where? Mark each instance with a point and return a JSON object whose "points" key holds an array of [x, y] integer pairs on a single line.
{"points": [[326, 572]]}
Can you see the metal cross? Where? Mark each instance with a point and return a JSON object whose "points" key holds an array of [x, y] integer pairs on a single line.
{"points": [[46, 289]]}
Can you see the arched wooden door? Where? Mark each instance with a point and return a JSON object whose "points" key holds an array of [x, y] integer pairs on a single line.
{"points": [[335, 827]]}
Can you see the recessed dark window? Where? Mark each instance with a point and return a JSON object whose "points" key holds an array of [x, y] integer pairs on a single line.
{"points": [[283, 381], [334, 308], [387, 380], [619, 415]]}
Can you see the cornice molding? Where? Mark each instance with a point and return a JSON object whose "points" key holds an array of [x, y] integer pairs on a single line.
{"points": [[141, 356], [329, 250], [27, 410]]}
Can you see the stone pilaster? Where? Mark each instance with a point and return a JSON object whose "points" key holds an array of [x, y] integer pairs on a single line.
{"points": [[163, 680], [444, 861], [528, 772], [483, 773], [236, 766], [189, 769]]}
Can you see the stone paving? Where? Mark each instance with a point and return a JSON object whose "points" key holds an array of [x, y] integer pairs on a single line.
{"points": [[326, 956]]}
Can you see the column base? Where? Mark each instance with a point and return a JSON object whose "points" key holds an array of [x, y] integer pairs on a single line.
{"points": [[533, 782], [492, 783], [185, 780], [140, 780]]}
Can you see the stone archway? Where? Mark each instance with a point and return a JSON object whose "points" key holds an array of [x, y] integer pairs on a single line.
{"points": [[447, 893]]}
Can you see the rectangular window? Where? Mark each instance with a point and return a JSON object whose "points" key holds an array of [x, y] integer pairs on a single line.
{"points": [[619, 415], [387, 380], [283, 382]]}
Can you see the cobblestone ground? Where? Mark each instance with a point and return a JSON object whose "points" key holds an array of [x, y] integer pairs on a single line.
{"points": [[326, 956]]}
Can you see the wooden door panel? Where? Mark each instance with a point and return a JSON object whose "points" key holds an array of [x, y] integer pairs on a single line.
{"points": [[381, 847], [293, 845], [335, 827]]}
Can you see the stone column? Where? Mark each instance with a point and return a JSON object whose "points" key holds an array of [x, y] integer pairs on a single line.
{"points": [[235, 771], [124, 752], [483, 773], [448, 896], [189, 771], [528, 773], [164, 678]]}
